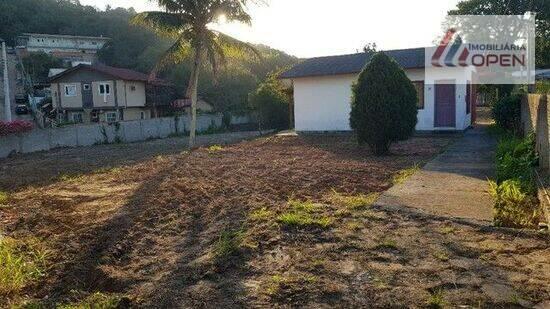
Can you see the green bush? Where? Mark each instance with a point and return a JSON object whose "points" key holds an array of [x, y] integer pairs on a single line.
{"points": [[383, 107], [507, 113], [271, 102], [513, 206], [515, 159]]}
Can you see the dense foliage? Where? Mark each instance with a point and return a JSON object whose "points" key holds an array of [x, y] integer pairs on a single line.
{"points": [[14, 127], [383, 107], [515, 202], [507, 113], [516, 7], [38, 65], [271, 102], [138, 48]]}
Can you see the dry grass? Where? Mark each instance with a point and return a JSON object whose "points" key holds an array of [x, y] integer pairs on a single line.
{"points": [[401, 176]]}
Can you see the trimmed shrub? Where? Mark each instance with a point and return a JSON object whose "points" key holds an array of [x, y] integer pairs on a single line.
{"points": [[271, 102], [507, 113], [383, 107], [16, 126]]}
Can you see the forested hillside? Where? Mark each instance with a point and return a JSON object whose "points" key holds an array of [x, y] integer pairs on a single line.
{"points": [[135, 47]]}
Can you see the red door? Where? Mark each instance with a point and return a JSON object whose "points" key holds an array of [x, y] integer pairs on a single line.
{"points": [[445, 105]]}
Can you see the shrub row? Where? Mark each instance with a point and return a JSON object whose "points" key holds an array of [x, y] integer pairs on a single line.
{"points": [[515, 202], [13, 127]]}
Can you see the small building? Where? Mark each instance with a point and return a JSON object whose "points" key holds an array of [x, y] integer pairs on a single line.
{"points": [[322, 92], [99, 93], [184, 105], [72, 49]]}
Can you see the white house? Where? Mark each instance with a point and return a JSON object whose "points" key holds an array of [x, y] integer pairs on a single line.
{"points": [[322, 92]]}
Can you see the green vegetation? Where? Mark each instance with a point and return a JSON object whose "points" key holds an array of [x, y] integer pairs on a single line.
{"points": [[403, 175], [38, 65], [271, 101], [514, 191], [97, 300], [352, 202], [4, 197], [387, 243], [304, 214], [383, 107], [507, 113], [436, 300], [215, 148], [517, 7], [22, 262], [262, 214], [228, 244], [441, 255]]}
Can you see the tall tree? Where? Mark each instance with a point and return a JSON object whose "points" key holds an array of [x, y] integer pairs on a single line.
{"points": [[188, 22], [516, 7]]}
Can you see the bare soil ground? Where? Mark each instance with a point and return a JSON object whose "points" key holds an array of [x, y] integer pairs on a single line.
{"points": [[167, 228]]}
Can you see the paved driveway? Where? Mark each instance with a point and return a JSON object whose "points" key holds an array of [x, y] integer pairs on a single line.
{"points": [[454, 184]]}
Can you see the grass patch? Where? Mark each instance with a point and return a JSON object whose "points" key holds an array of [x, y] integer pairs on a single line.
{"points": [[513, 207], [4, 197], [21, 262], [352, 201], [354, 225], [387, 244], [69, 177], [447, 230], [228, 244], [441, 255], [215, 148], [262, 214], [97, 300], [436, 300], [304, 214], [403, 175]]}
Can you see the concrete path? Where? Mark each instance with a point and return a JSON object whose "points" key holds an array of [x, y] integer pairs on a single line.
{"points": [[453, 184]]}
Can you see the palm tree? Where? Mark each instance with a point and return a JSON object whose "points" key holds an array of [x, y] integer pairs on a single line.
{"points": [[187, 23]]}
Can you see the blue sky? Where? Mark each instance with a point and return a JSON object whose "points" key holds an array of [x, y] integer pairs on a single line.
{"points": [[310, 28]]}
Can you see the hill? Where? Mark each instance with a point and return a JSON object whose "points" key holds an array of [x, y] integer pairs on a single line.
{"points": [[135, 47]]}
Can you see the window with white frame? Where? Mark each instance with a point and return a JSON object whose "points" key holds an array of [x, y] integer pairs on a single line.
{"points": [[70, 90], [110, 117], [105, 89], [77, 117]]}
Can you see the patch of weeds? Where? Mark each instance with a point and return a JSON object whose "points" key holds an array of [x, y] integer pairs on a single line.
{"points": [[289, 286], [4, 197], [387, 244], [447, 230], [352, 201], [513, 207], [354, 225], [69, 177], [21, 263], [228, 244], [304, 214], [342, 212], [106, 170], [380, 282], [262, 214], [215, 148], [441, 255], [436, 300], [403, 175], [97, 300]]}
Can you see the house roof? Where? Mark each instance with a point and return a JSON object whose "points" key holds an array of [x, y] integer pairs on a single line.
{"points": [[65, 36], [412, 58], [119, 73]]}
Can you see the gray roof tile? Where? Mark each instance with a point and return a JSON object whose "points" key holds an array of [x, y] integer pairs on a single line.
{"points": [[354, 63]]}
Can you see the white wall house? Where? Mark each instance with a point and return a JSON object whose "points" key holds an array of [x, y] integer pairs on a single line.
{"points": [[322, 92]]}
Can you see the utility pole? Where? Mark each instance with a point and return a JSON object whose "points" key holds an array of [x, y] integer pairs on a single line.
{"points": [[7, 105]]}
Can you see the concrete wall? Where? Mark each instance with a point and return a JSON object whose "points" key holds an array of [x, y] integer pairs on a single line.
{"points": [[86, 135], [535, 117], [324, 103]]}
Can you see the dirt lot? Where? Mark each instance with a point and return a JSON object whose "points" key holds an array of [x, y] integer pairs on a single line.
{"points": [[213, 228]]}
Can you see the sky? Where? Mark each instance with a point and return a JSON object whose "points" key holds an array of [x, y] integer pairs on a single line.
{"points": [[312, 28]]}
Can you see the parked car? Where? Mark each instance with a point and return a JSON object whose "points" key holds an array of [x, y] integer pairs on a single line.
{"points": [[21, 109]]}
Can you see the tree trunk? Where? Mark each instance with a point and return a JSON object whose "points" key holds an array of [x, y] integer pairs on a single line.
{"points": [[192, 94]]}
